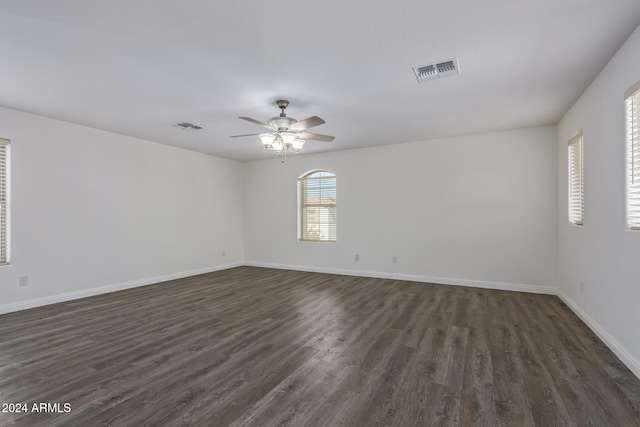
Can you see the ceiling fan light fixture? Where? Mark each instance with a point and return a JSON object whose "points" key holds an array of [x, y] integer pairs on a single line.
{"points": [[297, 144], [288, 137], [267, 139], [277, 144]]}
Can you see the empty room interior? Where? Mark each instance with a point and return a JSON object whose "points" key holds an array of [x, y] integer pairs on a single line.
{"points": [[320, 213]]}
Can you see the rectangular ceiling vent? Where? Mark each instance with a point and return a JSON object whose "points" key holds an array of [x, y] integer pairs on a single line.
{"points": [[437, 70], [186, 126]]}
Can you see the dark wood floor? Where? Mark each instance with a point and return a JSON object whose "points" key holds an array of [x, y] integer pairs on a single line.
{"points": [[260, 347]]}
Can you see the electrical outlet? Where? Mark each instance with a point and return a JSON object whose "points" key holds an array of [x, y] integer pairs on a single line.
{"points": [[224, 253], [394, 259], [357, 257], [24, 280], [581, 287]]}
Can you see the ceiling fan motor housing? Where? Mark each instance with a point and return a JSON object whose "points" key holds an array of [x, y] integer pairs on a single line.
{"points": [[282, 123]]}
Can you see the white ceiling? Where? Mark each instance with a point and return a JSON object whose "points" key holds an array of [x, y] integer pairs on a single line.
{"points": [[135, 67]]}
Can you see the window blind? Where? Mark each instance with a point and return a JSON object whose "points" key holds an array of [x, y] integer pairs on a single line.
{"points": [[576, 181], [632, 103], [317, 207], [4, 202]]}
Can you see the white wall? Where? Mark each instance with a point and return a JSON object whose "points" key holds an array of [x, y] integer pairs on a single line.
{"points": [[602, 254], [477, 210], [93, 211]]}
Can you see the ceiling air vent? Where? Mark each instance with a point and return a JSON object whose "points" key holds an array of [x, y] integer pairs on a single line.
{"points": [[439, 69], [186, 126]]}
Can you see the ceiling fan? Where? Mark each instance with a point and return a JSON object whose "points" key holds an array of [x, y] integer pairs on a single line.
{"points": [[287, 134]]}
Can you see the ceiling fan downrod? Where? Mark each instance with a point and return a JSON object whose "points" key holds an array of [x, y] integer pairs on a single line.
{"points": [[282, 104]]}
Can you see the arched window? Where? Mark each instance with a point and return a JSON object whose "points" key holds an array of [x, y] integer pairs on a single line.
{"points": [[317, 207]]}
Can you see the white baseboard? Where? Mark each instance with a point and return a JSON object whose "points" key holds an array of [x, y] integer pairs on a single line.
{"points": [[53, 299], [631, 362], [548, 290]]}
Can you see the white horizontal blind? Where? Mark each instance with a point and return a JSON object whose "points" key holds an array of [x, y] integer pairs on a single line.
{"points": [[317, 207], [576, 181], [632, 102], [4, 202]]}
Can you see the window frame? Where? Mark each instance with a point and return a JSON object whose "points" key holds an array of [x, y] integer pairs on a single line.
{"points": [[632, 161], [326, 200], [575, 153], [4, 201]]}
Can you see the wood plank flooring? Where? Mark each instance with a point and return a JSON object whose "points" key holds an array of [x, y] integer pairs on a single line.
{"points": [[260, 347]]}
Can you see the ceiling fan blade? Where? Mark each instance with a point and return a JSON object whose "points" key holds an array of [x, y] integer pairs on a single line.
{"points": [[307, 123], [316, 136], [257, 122], [247, 134]]}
